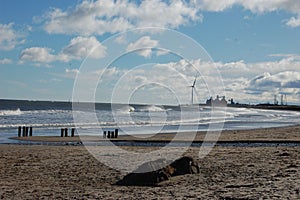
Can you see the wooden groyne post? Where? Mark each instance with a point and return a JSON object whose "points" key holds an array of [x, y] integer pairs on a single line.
{"points": [[30, 131], [24, 131], [116, 133], [111, 134], [66, 132], [72, 132], [19, 131], [62, 130]]}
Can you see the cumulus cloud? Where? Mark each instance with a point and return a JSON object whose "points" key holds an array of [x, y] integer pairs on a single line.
{"points": [[71, 73], [286, 79], [293, 22], [38, 54], [255, 82], [255, 6], [9, 38], [107, 16], [5, 61], [245, 82], [81, 47], [121, 39], [78, 48], [143, 46], [263, 87]]}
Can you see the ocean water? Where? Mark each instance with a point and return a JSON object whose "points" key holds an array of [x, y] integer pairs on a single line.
{"points": [[47, 118]]}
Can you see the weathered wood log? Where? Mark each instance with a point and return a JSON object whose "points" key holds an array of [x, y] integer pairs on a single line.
{"points": [[150, 173], [185, 165], [154, 172]]}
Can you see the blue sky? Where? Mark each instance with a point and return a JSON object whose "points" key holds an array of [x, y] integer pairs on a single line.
{"points": [[254, 46]]}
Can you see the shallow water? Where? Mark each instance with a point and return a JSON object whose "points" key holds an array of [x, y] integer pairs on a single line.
{"points": [[47, 118]]}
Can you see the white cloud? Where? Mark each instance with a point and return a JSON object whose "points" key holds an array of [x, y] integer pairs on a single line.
{"points": [[108, 72], [81, 47], [38, 54], [263, 87], [50, 81], [71, 73], [107, 16], [245, 82], [286, 79], [78, 48], [5, 61], [121, 39], [143, 46], [256, 82], [255, 6], [293, 22], [9, 38]]}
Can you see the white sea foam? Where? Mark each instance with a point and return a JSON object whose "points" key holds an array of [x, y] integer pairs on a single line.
{"points": [[143, 116], [151, 108], [10, 112]]}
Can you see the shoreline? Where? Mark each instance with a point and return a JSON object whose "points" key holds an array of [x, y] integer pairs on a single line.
{"points": [[288, 134]]}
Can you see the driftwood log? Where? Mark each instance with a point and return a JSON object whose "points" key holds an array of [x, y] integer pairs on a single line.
{"points": [[154, 172]]}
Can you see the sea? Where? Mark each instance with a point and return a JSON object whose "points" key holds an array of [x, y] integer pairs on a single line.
{"points": [[48, 117]]}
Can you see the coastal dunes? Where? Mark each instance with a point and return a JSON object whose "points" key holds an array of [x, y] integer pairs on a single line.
{"points": [[227, 172]]}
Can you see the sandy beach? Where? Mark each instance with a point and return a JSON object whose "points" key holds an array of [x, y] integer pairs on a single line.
{"points": [[227, 172]]}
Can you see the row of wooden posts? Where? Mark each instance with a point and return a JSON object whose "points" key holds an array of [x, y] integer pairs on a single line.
{"points": [[111, 134], [27, 131], [64, 132], [24, 131]]}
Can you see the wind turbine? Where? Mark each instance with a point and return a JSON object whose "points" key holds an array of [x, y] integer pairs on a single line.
{"points": [[193, 87]]}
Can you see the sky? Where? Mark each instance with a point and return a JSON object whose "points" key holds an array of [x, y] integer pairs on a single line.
{"points": [[150, 51]]}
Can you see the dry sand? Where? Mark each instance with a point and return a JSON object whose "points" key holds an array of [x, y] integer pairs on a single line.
{"points": [[71, 172]]}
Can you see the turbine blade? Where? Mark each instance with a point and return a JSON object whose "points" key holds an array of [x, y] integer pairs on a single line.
{"points": [[196, 92], [194, 82]]}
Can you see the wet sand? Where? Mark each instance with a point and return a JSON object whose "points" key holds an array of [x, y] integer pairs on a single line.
{"points": [[71, 172], [281, 134]]}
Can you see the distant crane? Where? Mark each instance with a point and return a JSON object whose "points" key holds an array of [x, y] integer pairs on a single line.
{"points": [[193, 88], [283, 100], [275, 100]]}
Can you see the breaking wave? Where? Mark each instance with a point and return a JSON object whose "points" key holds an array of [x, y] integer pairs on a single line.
{"points": [[150, 108], [10, 112]]}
